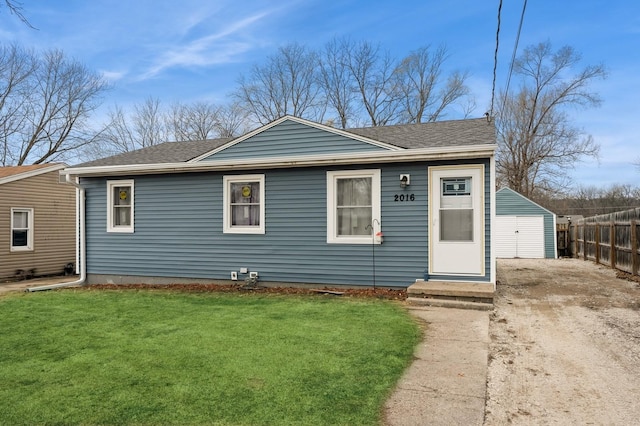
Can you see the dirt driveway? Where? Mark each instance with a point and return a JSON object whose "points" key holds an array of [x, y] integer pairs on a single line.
{"points": [[565, 345]]}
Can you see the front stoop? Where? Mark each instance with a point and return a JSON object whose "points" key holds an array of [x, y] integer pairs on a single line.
{"points": [[452, 294]]}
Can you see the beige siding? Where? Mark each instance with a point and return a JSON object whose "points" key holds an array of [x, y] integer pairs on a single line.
{"points": [[54, 234]]}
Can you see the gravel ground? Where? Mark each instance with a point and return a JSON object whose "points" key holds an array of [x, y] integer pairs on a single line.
{"points": [[565, 345]]}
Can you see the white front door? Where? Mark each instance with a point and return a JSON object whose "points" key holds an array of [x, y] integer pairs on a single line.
{"points": [[456, 212]]}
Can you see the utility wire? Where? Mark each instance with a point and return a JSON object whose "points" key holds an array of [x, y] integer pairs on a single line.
{"points": [[513, 57], [495, 65]]}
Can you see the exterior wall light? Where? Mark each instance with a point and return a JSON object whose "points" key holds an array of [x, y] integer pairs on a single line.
{"points": [[405, 180]]}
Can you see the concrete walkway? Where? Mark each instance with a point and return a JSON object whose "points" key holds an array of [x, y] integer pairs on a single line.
{"points": [[446, 384], [6, 287]]}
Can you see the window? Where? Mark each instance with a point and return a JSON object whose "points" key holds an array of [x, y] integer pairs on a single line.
{"points": [[120, 202], [243, 199], [21, 229], [353, 206], [456, 210]]}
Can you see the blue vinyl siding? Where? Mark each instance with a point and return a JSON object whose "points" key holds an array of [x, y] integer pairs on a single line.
{"points": [[511, 203], [178, 231], [290, 138]]}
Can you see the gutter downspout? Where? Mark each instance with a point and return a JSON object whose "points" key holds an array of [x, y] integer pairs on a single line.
{"points": [[83, 245]]}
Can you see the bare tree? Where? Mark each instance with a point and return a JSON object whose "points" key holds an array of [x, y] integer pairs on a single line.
{"points": [[372, 72], [118, 136], [284, 85], [16, 68], [537, 143], [15, 8], [336, 81], [45, 102], [232, 121], [144, 127], [192, 122], [149, 123], [425, 94]]}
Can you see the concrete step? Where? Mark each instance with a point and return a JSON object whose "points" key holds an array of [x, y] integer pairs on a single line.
{"points": [[465, 295], [447, 303]]}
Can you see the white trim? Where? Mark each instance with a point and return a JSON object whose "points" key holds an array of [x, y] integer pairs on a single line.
{"points": [[30, 229], [110, 226], [32, 173], [332, 176], [421, 154], [555, 239], [228, 228], [492, 220], [300, 121]]}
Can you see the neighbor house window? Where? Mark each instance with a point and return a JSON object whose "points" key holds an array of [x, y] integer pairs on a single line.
{"points": [[120, 203], [21, 229], [243, 199], [353, 206]]}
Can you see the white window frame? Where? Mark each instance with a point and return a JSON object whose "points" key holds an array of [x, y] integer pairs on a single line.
{"points": [[30, 229], [119, 228], [332, 219], [228, 228]]}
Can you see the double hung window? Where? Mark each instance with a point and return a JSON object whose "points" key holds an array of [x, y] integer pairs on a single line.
{"points": [[243, 200], [120, 206], [353, 206], [21, 229]]}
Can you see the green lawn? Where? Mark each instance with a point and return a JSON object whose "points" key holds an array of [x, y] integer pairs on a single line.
{"points": [[165, 357]]}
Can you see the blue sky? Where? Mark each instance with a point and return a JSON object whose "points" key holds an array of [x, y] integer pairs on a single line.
{"points": [[196, 49]]}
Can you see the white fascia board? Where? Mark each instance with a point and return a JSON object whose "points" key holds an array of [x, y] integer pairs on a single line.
{"points": [[297, 120], [32, 173], [405, 155]]}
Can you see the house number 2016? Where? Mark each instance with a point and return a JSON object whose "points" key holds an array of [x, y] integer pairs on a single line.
{"points": [[404, 197]]}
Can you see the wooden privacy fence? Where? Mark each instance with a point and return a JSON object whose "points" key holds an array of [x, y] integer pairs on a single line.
{"points": [[610, 239]]}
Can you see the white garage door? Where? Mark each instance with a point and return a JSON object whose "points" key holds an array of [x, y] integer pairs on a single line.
{"points": [[519, 236]]}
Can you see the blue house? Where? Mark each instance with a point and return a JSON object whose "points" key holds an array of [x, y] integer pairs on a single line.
{"points": [[293, 203]]}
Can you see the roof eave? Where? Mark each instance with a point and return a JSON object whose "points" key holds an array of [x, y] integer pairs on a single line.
{"points": [[32, 173], [406, 155]]}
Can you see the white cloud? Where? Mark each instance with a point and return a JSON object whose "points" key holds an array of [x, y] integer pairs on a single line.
{"points": [[112, 76], [216, 48]]}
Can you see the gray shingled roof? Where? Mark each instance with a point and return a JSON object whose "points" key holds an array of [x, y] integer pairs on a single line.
{"points": [[432, 135], [167, 152], [424, 135]]}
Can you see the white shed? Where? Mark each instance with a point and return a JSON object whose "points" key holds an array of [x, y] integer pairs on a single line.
{"points": [[523, 229]]}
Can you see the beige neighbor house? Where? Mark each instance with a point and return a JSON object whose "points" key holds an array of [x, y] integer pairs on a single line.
{"points": [[37, 222]]}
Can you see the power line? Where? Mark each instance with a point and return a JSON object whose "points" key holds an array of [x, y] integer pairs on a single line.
{"points": [[513, 55], [495, 64]]}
